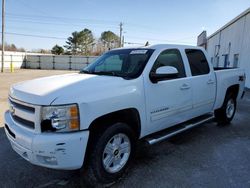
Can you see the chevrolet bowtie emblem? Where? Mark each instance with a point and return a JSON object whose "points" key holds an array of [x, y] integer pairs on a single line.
{"points": [[12, 109]]}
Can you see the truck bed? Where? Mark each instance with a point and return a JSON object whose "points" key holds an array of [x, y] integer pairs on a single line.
{"points": [[227, 77]]}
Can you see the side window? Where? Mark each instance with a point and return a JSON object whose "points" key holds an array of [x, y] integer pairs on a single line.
{"points": [[197, 61], [171, 57]]}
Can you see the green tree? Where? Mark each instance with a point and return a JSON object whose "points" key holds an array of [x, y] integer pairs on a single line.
{"points": [[73, 43], [109, 39], [13, 47], [57, 50], [80, 42], [87, 41]]}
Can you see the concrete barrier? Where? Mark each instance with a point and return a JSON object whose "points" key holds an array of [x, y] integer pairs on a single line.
{"points": [[46, 61], [16, 58]]}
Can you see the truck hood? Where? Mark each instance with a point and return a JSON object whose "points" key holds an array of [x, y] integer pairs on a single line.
{"points": [[44, 91]]}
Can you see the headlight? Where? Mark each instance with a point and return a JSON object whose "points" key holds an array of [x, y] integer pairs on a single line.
{"points": [[60, 118]]}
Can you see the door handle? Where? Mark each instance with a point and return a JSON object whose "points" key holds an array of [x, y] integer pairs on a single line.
{"points": [[185, 86], [210, 81]]}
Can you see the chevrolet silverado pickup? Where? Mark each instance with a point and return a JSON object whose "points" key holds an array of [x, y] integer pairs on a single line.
{"points": [[92, 120]]}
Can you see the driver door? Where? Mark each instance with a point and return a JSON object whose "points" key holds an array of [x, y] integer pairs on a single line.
{"points": [[168, 101]]}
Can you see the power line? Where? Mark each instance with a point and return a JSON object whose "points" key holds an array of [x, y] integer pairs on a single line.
{"points": [[62, 38], [158, 39], [60, 24], [31, 7], [62, 18], [38, 36], [33, 19], [65, 20], [33, 29], [68, 20]]}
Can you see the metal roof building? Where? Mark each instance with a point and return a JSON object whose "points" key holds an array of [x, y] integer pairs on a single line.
{"points": [[230, 45]]}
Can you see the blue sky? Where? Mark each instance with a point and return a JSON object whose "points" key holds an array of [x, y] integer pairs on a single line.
{"points": [[158, 21]]}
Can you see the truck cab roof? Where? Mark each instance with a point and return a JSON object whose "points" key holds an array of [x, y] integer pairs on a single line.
{"points": [[163, 46]]}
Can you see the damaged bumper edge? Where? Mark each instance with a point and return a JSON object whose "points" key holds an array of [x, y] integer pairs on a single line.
{"points": [[52, 150]]}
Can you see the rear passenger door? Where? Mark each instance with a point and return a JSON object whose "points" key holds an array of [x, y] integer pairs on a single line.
{"points": [[203, 81]]}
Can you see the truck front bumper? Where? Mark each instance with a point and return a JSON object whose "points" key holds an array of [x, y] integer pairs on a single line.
{"points": [[53, 150]]}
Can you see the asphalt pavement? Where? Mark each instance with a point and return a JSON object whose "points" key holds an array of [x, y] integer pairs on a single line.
{"points": [[206, 156]]}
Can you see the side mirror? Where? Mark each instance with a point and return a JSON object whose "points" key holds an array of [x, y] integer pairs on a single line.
{"points": [[163, 73]]}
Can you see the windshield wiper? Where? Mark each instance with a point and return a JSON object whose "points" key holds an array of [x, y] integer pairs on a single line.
{"points": [[109, 73], [106, 73], [86, 72]]}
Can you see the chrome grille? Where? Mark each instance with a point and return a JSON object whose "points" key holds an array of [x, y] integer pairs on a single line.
{"points": [[21, 106], [22, 113]]}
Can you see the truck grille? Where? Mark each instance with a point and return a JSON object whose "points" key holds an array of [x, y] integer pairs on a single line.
{"points": [[24, 122], [22, 113], [21, 106]]}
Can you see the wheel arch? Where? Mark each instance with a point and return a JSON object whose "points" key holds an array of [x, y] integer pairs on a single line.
{"points": [[221, 113], [234, 89], [129, 116]]}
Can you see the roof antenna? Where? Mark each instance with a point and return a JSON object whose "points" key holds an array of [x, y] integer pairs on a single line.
{"points": [[147, 43]]}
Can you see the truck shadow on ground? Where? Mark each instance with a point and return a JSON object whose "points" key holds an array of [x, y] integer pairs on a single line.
{"points": [[165, 163], [19, 172], [149, 157]]}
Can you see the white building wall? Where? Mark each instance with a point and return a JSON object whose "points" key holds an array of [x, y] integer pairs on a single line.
{"points": [[232, 40], [212, 49], [245, 50]]}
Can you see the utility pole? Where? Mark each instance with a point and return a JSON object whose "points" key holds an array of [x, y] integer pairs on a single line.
{"points": [[121, 24], [122, 40], [3, 25]]}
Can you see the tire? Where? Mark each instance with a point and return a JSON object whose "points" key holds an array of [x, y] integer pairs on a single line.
{"points": [[225, 114], [110, 154]]}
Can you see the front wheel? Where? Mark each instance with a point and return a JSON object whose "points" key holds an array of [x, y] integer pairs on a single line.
{"points": [[111, 153], [225, 114]]}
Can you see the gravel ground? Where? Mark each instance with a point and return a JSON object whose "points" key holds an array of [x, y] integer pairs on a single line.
{"points": [[206, 156]]}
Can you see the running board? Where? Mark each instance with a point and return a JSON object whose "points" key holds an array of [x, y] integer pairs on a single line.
{"points": [[172, 131]]}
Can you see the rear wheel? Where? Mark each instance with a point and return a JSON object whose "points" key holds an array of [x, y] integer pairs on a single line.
{"points": [[110, 154], [225, 114]]}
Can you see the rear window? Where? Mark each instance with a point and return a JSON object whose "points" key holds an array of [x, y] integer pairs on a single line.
{"points": [[197, 61]]}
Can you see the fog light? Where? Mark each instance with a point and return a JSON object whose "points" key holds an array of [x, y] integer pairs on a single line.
{"points": [[47, 160]]}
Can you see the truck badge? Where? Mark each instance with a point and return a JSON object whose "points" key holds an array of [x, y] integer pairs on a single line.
{"points": [[12, 110]]}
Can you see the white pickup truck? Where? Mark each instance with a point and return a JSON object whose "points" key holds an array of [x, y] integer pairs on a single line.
{"points": [[93, 119]]}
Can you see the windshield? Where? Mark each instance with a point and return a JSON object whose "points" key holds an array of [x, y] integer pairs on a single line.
{"points": [[126, 63]]}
